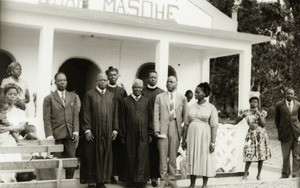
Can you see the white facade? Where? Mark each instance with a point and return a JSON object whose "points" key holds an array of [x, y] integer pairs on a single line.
{"points": [[42, 36]]}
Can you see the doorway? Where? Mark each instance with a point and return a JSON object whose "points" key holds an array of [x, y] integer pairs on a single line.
{"points": [[6, 58], [142, 72], [81, 74]]}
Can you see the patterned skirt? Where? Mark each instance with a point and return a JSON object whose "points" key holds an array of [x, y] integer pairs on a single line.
{"points": [[256, 145]]}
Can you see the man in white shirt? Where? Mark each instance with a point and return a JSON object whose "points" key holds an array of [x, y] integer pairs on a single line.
{"points": [[61, 119]]}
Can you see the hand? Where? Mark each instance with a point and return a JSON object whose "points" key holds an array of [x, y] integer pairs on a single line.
{"points": [[4, 129], [156, 134], [114, 135], [149, 139], [49, 138], [183, 145], [75, 137], [212, 147], [89, 136]]}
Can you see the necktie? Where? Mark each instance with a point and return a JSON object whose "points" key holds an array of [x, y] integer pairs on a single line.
{"points": [[136, 98], [63, 97], [290, 106], [171, 103], [102, 92]]}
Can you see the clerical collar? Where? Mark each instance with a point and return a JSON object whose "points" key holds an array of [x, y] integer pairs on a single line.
{"points": [[136, 97], [101, 90], [112, 85], [151, 87]]}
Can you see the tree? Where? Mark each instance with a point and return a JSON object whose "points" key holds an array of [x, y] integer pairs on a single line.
{"points": [[273, 64]]}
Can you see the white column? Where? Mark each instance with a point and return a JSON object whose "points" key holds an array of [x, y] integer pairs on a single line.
{"points": [[162, 62], [44, 70], [244, 78], [205, 70]]}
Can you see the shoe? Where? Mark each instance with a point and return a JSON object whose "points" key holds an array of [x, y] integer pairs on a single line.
{"points": [[163, 184], [192, 186], [100, 185], [91, 186], [258, 178], [154, 183], [113, 180]]}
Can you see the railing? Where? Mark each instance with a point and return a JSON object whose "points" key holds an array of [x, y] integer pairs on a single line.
{"points": [[229, 150]]}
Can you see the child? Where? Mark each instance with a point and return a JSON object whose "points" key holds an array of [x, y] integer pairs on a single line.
{"points": [[3, 119]]}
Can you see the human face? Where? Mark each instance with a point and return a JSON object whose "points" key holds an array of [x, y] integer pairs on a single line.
{"points": [[152, 79], [11, 95], [171, 83], [254, 103], [17, 71], [113, 77], [101, 81], [4, 108], [290, 94], [199, 94], [137, 89], [189, 97], [61, 82]]}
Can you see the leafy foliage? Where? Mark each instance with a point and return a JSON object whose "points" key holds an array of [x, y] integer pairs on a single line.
{"points": [[274, 65]]}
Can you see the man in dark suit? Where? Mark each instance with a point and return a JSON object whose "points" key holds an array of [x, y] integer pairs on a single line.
{"points": [[61, 121], [287, 115], [169, 110]]}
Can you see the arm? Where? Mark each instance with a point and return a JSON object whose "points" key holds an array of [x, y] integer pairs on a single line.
{"points": [[75, 120], [214, 127], [184, 107], [261, 120], [277, 118], [156, 115], [47, 116], [87, 119], [116, 115]]}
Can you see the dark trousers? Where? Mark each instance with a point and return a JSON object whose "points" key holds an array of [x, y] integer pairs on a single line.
{"points": [[287, 147], [69, 152], [154, 159]]}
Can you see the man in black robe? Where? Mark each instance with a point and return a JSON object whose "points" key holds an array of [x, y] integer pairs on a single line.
{"points": [[100, 125], [137, 122], [117, 145], [150, 92]]}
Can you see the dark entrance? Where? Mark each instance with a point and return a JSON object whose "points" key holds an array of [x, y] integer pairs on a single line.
{"points": [[81, 74], [142, 72], [5, 59]]}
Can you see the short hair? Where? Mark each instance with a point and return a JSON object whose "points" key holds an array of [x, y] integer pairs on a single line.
{"points": [[12, 66], [151, 71], [3, 102], [188, 92], [9, 86], [137, 81], [206, 88], [254, 98], [174, 77], [110, 69], [58, 73]]}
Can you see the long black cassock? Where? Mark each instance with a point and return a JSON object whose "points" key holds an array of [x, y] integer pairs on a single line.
{"points": [[100, 115], [137, 122], [118, 147], [151, 94]]}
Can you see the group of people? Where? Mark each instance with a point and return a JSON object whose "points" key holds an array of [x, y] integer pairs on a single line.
{"points": [[136, 137]]}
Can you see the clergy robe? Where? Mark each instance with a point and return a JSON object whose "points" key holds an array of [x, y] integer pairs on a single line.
{"points": [[118, 147], [137, 122], [153, 150], [101, 117]]}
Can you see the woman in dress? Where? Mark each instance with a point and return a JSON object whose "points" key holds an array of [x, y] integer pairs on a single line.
{"points": [[257, 148], [14, 71], [199, 136], [17, 120]]}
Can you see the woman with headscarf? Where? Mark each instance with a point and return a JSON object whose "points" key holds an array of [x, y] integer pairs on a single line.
{"points": [[14, 71]]}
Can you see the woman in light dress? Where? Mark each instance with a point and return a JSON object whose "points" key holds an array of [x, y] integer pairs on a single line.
{"points": [[17, 120], [199, 136]]}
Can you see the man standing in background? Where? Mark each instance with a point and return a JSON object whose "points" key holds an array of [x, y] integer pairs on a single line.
{"points": [[151, 91]]}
